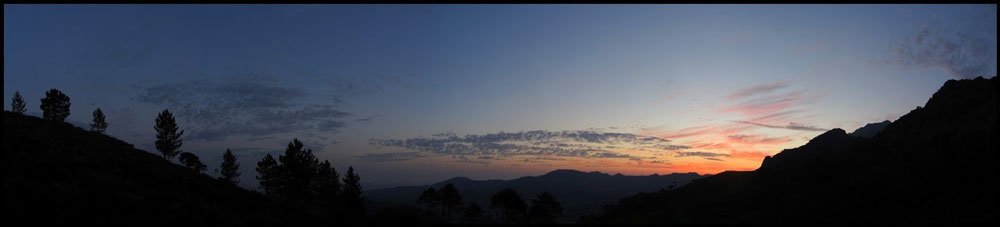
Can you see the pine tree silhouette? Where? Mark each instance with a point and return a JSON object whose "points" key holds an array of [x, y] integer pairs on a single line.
{"points": [[354, 208], [268, 175], [192, 161], [511, 205], [328, 188], [55, 105], [430, 197], [17, 104], [230, 168], [544, 209], [168, 140], [298, 172], [99, 124], [450, 199]]}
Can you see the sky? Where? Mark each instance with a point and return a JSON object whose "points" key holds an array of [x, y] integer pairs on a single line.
{"points": [[415, 94]]}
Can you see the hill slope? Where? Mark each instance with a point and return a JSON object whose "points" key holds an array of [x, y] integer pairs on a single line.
{"points": [[871, 129], [933, 164], [55, 172], [579, 192]]}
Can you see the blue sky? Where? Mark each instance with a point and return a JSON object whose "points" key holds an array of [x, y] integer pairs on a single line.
{"points": [[706, 79]]}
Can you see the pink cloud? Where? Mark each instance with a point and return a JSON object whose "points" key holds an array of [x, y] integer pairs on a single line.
{"points": [[685, 132], [792, 126], [768, 105], [759, 89], [779, 116], [757, 139], [709, 145]]}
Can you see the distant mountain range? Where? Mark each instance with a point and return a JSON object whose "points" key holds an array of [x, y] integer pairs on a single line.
{"points": [[934, 164], [579, 192], [56, 173]]}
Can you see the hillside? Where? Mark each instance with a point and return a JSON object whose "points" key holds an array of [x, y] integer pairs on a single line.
{"points": [[57, 173], [871, 129], [579, 192], [933, 164]]}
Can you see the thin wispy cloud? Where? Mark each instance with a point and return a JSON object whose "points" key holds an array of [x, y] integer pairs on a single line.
{"points": [[767, 105], [777, 116], [215, 110], [390, 157], [790, 126], [758, 89], [367, 120], [685, 132], [540, 143], [757, 139], [699, 154], [471, 160]]}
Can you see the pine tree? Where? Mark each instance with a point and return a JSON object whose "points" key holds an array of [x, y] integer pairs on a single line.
{"points": [[431, 197], [17, 103], [354, 208], [544, 209], [55, 105], [328, 188], [168, 140], [298, 172], [230, 168], [511, 205], [192, 161], [269, 175], [100, 124], [450, 199]]}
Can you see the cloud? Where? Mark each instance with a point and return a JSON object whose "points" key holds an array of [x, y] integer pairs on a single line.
{"points": [[467, 160], [699, 154], [759, 89], [539, 143], [791, 126], [963, 54], [767, 105], [683, 133], [763, 110], [215, 110], [709, 145], [367, 120], [390, 157], [757, 139], [776, 116]]}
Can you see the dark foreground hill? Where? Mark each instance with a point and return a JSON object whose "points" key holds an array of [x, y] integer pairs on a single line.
{"points": [[934, 164], [579, 192], [57, 173]]}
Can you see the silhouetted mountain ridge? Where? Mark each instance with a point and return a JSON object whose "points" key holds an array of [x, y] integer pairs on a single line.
{"points": [[812, 153], [57, 173], [870, 129], [580, 192], [933, 164]]}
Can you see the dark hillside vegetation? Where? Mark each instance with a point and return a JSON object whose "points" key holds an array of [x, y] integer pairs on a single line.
{"points": [[57, 173]]}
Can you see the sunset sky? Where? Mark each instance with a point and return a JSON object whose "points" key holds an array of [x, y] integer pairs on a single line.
{"points": [[415, 94]]}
